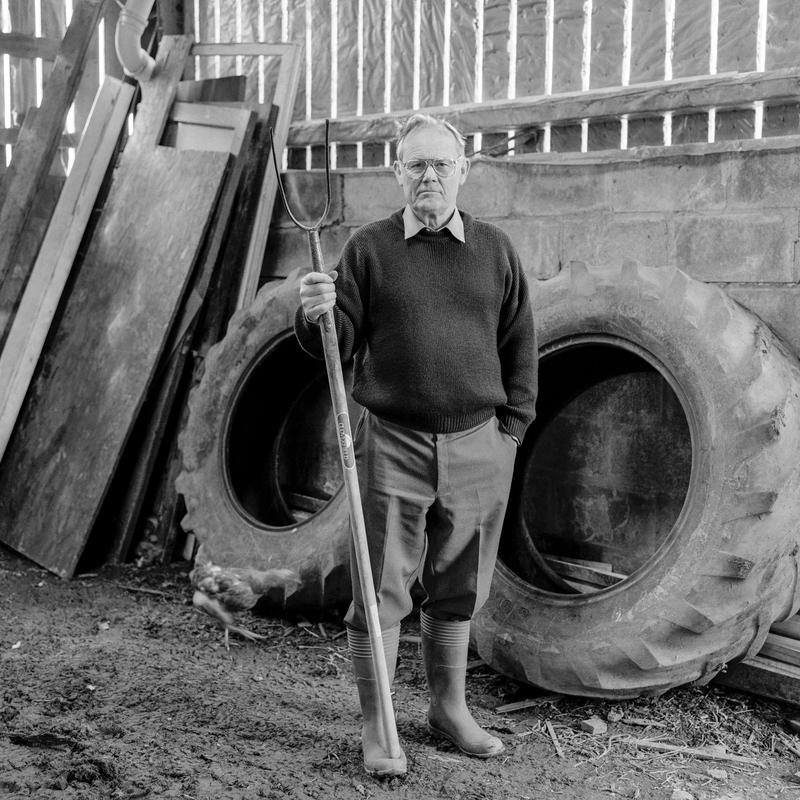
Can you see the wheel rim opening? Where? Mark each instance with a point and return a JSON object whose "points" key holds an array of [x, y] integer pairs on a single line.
{"points": [[603, 473], [282, 462]]}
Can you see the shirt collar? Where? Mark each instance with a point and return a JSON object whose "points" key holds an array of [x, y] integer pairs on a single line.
{"points": [[412, 224]]}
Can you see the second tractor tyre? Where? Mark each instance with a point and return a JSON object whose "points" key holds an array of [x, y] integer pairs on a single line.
{"points": [[707, 588]]}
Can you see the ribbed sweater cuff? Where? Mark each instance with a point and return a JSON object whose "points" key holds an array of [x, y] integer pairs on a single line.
{"points": [[513, 425]]}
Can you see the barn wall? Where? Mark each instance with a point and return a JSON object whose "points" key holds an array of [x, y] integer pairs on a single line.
{"points": [[726, 213]]}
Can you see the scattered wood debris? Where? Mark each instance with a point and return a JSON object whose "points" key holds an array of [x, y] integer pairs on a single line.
{"points": [[554, 738], [528, 703], [708, 753], [643, 723], [594, 725]]}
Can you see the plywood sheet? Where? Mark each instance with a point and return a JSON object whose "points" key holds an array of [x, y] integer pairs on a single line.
{"points": [[98, 365]]}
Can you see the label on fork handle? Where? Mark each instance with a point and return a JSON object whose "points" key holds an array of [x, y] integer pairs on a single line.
{"points": [[345, 441]]}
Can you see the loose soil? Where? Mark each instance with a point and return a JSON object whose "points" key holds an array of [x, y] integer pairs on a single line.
{"points": [[113, 686]]}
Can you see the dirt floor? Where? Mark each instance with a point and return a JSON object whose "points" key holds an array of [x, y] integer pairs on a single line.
{"points": [[113, 686]]}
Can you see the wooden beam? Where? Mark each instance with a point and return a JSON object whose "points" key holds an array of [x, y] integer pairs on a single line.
{"points": [[765, 677], [11, 136], [584, 573], [789, 627], [781, 648], [20, 45], [40, 137], [683, 95]]}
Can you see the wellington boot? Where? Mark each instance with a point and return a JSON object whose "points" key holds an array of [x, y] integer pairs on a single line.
{"points": [[445, 646], [377, 760]]}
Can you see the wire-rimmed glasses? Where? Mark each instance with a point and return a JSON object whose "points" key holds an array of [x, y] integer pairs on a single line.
{"points": [[417, 167]]}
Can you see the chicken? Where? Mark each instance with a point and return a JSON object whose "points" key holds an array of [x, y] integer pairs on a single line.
{"points": [[222, 591]]}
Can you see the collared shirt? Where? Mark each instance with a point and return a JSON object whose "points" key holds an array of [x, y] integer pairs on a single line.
{"points": [[412, 224]]}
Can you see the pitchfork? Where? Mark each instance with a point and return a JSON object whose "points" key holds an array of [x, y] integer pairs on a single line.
{"points": [[333, 364]]}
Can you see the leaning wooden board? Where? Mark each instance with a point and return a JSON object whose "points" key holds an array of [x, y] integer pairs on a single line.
{"points": [[51, 269], [96, 368]]}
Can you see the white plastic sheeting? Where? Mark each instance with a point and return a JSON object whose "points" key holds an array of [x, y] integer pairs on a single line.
{"points": [[365, 84]]}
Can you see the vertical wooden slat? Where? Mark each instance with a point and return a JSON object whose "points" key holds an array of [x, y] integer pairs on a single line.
{"points": [[39, 139], [239, 33], [477, 94], [217, 34], [713, 39], [360, 76], [669, 42], [416, 48], [447, 33], [309, 77], [513, 10], [761, 64], [625, 77], [334, 112], [549, 21], [37, 62], [5, 90], [586, 66], [23, 86], [387, 70]]}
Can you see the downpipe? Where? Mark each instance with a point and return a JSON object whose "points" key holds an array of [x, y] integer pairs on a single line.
{"points": [[133, 18]]}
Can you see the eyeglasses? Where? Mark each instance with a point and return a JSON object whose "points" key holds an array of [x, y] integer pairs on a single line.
{"points": [[417, 167]]}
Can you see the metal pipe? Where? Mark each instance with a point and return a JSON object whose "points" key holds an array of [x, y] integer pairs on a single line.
{"points": [[133, 18]]}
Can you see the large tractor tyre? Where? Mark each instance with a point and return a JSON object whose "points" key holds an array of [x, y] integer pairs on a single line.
{"points": [[660, 480], [261, 468]]}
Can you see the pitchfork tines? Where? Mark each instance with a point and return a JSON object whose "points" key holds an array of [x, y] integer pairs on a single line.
{"points": [[318, 224]]}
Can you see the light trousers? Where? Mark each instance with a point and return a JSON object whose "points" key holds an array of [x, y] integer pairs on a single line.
{"points": [[434, 506]]}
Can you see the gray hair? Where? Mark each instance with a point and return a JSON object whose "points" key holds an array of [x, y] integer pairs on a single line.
{"points": [[428, 121]]}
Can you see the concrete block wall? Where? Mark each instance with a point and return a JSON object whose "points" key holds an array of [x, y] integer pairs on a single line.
{"points": [[726, 213]]}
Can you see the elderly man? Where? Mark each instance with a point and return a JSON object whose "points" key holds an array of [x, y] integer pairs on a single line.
{"points": [[432, 305]]}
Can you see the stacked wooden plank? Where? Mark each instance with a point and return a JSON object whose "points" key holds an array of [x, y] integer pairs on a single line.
{"points": [[94, 373], [98, 364], [582, 574], [142, 264], [775, 671]]}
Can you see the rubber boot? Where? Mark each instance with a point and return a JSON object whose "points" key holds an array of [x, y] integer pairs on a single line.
{"points": [[377, 761], [445, 647]]}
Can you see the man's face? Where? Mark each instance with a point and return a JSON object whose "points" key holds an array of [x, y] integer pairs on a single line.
{"points": [[431, 197]]}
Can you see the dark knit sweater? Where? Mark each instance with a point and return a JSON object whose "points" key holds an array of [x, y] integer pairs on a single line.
{"points": [[441, 331]]}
